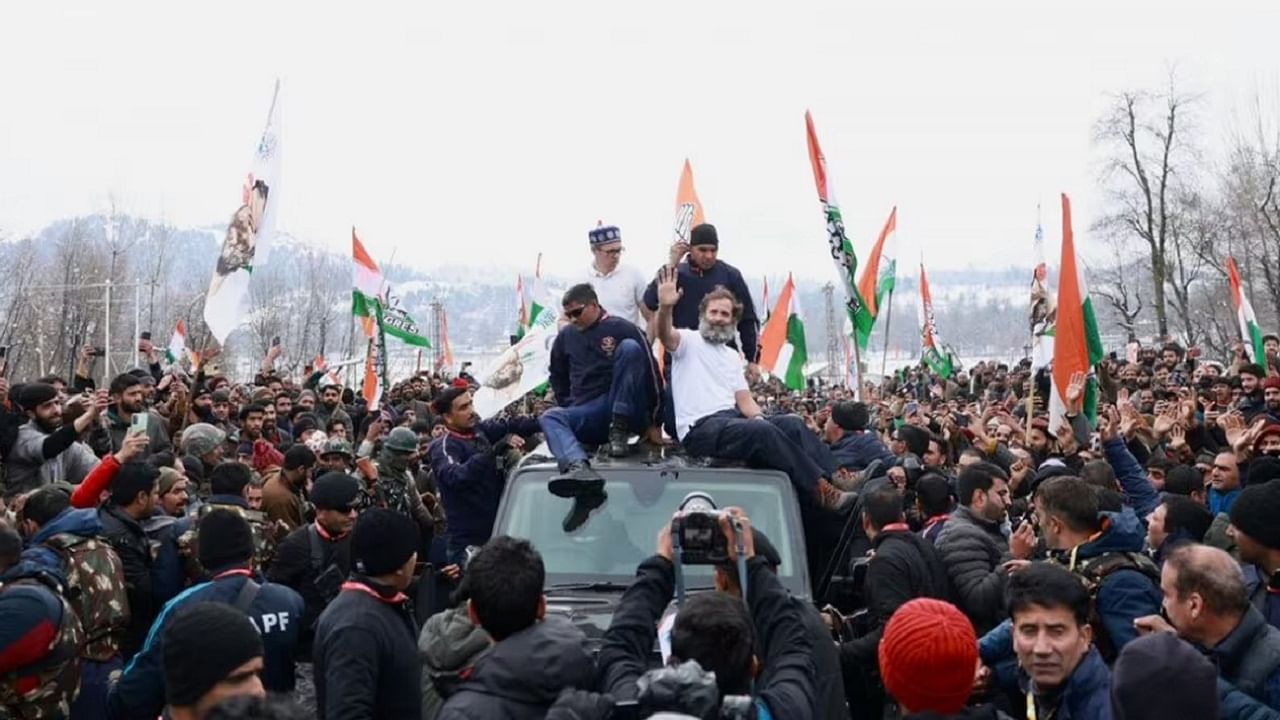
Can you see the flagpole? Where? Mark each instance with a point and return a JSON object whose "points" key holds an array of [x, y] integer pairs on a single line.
{"points": [[888, 318]]}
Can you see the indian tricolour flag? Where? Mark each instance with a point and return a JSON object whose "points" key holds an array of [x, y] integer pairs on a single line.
{"points": [[782, 347], [177, 344], [1077, 345], [878, 276], [1249, 330], [932, 351], [368, 285]]}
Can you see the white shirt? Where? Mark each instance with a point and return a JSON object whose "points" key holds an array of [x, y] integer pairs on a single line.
{"points": [[621, 292], [704, 379]]}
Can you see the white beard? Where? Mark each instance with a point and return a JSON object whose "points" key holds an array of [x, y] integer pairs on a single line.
{"points": [[716, 334]]}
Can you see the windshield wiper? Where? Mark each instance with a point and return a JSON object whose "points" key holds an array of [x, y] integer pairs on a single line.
{"points": [[604, 586]]}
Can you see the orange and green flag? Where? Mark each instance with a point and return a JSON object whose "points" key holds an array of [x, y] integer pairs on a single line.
{"points": [[1077, 346]]}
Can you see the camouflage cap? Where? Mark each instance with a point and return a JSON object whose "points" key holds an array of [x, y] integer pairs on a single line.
{"points": [[338, 446], [201, 438]]}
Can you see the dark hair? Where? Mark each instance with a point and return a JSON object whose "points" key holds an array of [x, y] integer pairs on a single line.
{"points": [[1253, 369], [422, 426], [334, 422], [934, 493], [1071, 500], [229, 478], [297, 456], [714, 629], [882, 507], [251, 408], [506, 579], [123, 382], [1187, 517], [444, 401], [1183, 480], [304, 421], [978, 476], [133, 478], [10, 546], [334, 388], [1219, 582], [283, 395], [720, 294], [1047, 585], [51, 380], [1159, 462], [1099, 474], [582, 293], [348, 396], [45, 504], [162, 459]]}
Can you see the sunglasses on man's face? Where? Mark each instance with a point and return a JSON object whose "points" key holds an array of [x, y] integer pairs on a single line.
{"points": [[575, 313]]}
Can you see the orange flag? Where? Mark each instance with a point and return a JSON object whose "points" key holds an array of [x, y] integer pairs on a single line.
{"points": [[688, 207]]}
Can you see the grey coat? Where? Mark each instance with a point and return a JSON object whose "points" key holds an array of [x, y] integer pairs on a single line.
{"points": [[973, 550]]}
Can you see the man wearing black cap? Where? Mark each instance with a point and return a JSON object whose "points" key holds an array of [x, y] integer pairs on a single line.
{"points": [[366, 650], [40, 454], [853, 447], [211, 653], [316, 558], [702, 273], [226, 551], [1255, 529]]}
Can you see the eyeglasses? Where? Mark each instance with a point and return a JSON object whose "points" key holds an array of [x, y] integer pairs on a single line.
{"points": [[575, 313], [615, 252]]}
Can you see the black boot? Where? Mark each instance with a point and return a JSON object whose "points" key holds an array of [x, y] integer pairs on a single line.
{"points": [[583, 506], [618, 436], [578, 479]]}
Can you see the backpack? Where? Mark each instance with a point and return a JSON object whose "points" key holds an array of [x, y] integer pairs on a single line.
{"points": [[1093, 572], [96, 590], [47, 688], [264, 539]]}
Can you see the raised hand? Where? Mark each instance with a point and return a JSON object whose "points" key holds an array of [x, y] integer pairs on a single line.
{"points": [[1178, 438], [1075, 392], [669, 292], [1232, 425]]}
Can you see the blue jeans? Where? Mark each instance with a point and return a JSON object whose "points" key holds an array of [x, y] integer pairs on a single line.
{"points": [[631, 395]]}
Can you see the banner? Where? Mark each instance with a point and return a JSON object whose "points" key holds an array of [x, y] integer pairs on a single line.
{"points": [[520, 369], [249, 234], [373, 303], [1044, 310]]}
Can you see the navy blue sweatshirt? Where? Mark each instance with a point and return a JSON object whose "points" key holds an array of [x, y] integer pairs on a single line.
{"points": [[468, 476], [696, 284], [582, 360]]}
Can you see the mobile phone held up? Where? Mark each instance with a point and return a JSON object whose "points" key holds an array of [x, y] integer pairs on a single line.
{"points": [[138, 425]]}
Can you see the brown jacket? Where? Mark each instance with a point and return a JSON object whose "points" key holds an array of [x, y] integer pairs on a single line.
{"points": [[281, 502]]}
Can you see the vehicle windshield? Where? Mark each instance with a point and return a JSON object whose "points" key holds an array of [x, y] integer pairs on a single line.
{"points": [[624, 531]]}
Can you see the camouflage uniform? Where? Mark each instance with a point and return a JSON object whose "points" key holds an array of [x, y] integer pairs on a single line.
{"points": [[46, 690], [95, 582], [266, 535]]}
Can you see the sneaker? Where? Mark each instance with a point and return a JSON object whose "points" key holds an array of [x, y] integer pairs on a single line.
{"points": [[831, 498], [618, 435], [583, 506], [577, 480]]}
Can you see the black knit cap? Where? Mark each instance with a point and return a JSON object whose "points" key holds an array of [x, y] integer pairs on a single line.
{"points": [[1255, 511], [335, 491], [204, 642], [704, 234], [1160, 676], [850, 415], [224, 539], [1262, 470], [382, 542], [34, 395]]}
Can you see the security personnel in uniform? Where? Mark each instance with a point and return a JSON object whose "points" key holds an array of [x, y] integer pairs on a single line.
{"points": [[394, 487]]}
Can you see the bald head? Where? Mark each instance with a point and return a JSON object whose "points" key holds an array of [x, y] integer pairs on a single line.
{"points": [[1212, 575]]}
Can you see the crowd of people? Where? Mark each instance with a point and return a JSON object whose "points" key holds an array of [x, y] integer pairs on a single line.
{"points": [[190, 545]]}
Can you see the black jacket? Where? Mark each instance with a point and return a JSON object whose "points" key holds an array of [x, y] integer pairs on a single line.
{"points": [[973, 550], [130, 542], [366, 656], [696, 284], [788, 688], [297, 565], [828, 680], [582, 360], [905, 567], [521, 676]]}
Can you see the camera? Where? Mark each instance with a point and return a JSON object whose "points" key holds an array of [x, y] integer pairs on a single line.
{"points": [[696, 531]]}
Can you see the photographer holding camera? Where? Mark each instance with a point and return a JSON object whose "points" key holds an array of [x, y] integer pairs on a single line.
{"points": [[716, 629]]}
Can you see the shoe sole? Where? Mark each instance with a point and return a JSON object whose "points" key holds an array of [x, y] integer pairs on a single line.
{"points": [[574, 487], [601, 497]]}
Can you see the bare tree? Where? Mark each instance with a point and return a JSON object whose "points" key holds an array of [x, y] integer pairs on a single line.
{"points": [[1115, 284]]}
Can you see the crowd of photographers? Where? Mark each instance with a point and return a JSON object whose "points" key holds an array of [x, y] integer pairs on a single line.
{"points": [[187, 545]]}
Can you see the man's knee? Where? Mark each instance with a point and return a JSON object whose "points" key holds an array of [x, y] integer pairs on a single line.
{"points": [[788, 423], [555, 416]]}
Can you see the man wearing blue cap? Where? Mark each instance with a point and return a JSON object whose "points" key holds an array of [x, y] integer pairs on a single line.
{"points": [[620, 287]]}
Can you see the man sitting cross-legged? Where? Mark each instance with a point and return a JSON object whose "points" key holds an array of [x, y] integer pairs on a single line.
{"points": [[716, 415]]}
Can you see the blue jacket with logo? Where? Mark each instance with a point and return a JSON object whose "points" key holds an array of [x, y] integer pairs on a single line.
{"points": [[469, 479], [276, 611]]}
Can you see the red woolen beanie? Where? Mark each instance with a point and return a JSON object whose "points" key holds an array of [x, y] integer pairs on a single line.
{"points": [[928, 657]]}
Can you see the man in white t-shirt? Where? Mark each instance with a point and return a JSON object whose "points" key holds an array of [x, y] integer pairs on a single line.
{"points": [[619, 287], [716, 415]]}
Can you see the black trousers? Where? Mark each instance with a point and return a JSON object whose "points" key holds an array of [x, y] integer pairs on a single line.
{"points": [[778, 442]]}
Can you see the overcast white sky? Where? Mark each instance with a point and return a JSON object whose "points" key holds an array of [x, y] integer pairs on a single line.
{"points": [[483, 132]]}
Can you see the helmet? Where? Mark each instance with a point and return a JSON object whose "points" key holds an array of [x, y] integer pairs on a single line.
{"points": [[337, 446], [402, 440], [201, 439]]}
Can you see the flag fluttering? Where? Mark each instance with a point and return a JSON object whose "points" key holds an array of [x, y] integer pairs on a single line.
{"points": [[1077, 344], [933, 353], [371, 387], [373, 303], [879, 276], [688, 207], [522, 310], [1044, 309], [768, 309], [782, 345], [249, 234], [842, 253], [444, 363], [1250, 332], [177, 344]]}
